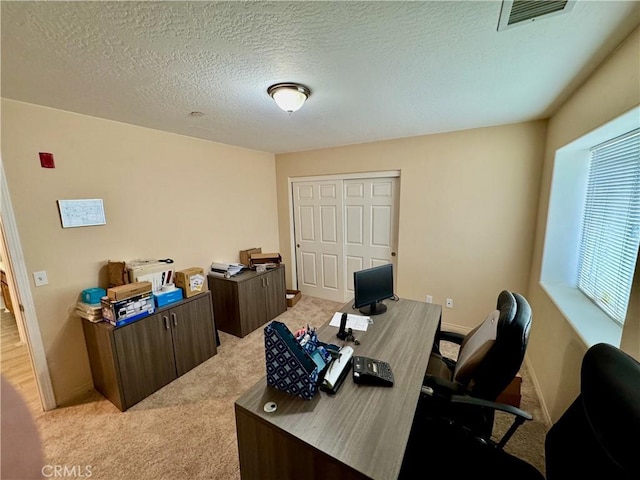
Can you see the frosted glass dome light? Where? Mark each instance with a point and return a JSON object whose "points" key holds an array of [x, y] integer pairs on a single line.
{"points": [[289, 96]]}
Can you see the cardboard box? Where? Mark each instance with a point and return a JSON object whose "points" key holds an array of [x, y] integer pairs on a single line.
{"points": [[129, 290], [511, 394], [158, 273], [245, 255], [192, 281], [269, 259], [121, 312], [293, 297], [167, 298]]}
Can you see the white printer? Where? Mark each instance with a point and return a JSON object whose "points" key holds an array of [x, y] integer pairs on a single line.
{"points": [[158, 272]]}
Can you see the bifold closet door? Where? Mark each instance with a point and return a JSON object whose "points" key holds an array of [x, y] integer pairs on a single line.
{"points": [[370, 225], [341, 226], [319, 238]]}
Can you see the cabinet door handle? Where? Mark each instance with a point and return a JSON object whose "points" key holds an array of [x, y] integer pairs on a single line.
{"points": [[175, 319], [166, 322], [267, 280]]}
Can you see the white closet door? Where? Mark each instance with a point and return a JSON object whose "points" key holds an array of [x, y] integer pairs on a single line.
{"points": [[318, 224], [371, 225], [342, 226]]}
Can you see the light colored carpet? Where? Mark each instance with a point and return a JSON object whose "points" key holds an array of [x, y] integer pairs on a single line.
{"points": [[186, 430]]}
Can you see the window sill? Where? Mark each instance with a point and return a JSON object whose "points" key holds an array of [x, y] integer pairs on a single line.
{"points": [[590, 323]]}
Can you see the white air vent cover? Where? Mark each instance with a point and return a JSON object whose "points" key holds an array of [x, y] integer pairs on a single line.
{"points": [[517, 12]]}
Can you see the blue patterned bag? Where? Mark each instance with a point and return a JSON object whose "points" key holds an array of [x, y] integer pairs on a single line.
{"points": [[290, 367]]}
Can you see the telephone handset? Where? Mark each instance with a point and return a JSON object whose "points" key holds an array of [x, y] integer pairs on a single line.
{"points": [[346, 333], [342, 333]]}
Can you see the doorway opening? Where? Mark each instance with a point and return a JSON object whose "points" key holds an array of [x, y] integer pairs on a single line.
{"points": [[24, 342], [16, 364]]}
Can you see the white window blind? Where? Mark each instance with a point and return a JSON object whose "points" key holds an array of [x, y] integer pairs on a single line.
{"points": [[611, 224]]}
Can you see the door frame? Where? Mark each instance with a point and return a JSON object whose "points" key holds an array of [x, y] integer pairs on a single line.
{"points": [[24, 306], [314, 178]]}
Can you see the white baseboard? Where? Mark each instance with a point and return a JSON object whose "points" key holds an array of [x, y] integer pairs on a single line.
{"points": [[536, 386]]}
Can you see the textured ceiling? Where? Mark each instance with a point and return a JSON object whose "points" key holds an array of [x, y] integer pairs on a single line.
{"points": [[377, 70]]}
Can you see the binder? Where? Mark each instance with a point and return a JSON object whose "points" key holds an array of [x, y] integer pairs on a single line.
{"points": [[290, 367]]}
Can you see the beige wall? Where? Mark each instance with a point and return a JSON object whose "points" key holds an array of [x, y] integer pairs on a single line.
{"points": [[468, 204], [165, 195], [555, 350]]}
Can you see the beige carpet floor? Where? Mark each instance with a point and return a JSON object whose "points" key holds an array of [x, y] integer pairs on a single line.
{"points": [[186, 430]]}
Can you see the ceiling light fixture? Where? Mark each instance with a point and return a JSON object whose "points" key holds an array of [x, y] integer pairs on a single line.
{"points": [[289, 96]]}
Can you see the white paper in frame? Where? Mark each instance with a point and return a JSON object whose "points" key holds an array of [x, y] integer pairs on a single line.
{"points": [[81, 213]]}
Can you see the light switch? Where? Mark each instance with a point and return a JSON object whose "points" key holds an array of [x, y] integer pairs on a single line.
{"points": [[40, 278]]}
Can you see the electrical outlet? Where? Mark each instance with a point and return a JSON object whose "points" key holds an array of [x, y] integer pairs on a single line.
{"points": [[429, 299], [449, 303], [40, 278]]}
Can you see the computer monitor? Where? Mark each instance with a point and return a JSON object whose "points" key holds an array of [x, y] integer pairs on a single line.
{"points": [[371, 286]]}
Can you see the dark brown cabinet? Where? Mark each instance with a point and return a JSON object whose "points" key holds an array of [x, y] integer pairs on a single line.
{"points": [[246, 301], [144, 354], [193, 340], [131, 362]]}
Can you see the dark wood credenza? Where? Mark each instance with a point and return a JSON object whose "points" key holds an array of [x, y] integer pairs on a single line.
{"points": [[246, 301], [131, 362]]}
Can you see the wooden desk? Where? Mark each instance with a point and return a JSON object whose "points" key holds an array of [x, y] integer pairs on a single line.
{"points": [[362, 431]]}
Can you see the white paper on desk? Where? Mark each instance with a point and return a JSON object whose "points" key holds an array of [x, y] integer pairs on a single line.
{"points": [[354, 322]]}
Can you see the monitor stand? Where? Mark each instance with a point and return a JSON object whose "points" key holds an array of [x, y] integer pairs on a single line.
{"points": [[375, 308]]}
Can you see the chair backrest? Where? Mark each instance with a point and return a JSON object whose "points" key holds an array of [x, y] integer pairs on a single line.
{"points": [[496, 361], [597, 436]]}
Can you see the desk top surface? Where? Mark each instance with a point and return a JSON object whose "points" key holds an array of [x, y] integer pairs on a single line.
{"points": [[365, 427]]}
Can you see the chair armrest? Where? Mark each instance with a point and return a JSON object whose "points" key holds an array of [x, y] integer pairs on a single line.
{"points": [[503, 407], [453, 337], [446, 336], [519, 415], [439, 387]]}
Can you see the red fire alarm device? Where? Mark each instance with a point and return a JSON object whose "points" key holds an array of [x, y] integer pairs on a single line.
{"points": [[46, 160]]}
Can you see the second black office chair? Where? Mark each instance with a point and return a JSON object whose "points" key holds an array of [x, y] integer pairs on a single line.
{"points": [[489, 358], [596, 438]]}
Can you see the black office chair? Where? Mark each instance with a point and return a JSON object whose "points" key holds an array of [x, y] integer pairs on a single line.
{"points": [[489, 358], [595, 438]]}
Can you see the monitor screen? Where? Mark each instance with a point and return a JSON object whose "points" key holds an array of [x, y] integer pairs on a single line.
{"points": [[371, 286]]}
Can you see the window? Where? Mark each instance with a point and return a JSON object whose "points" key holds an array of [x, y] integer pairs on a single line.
{"points": [[611, 224], [578, 254]]}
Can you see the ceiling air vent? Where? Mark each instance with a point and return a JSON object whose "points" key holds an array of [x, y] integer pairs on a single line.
{"points": [[517, 12]]}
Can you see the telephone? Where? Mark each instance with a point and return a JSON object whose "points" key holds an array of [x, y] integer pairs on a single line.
{"points": [[369, 371]]}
